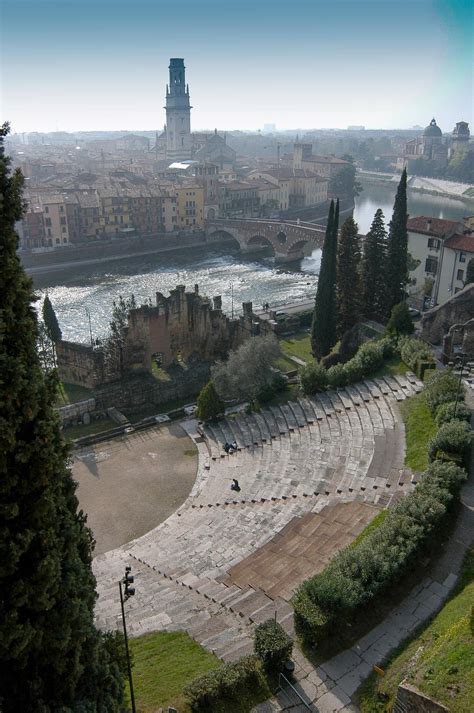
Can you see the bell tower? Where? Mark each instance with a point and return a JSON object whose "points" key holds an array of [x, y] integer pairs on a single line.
{"points": [[178, 114]]}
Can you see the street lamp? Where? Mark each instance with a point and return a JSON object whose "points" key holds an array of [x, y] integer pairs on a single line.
{"points": [[127, 592]]}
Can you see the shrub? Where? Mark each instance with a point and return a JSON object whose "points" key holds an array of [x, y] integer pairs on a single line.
{"points": [[334, 599], [313, 378], [400, 321], [273, 646], [354, 371], [452, 411], [453, 438], [441, 386], [337, 376], [209, 405], [224, 684], [413, 350], [266, 394]]}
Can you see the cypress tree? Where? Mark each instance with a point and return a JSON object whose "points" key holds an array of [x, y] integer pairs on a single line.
{"points": [[397, 249], [51, 321], [348, 281], [373, 280], [469, 272], [323, 328], [51, 656]]}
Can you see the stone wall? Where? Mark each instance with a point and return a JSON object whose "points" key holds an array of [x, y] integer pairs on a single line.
{"points": [[138, 390], [410, 700], [75, 412], [80, 364], [459, 309]]}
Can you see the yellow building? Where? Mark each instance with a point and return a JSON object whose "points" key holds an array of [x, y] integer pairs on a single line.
{"points": [[190, 206], [55, 220]]}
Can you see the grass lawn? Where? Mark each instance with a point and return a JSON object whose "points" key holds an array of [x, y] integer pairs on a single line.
{"points": [[419, 429], [153, 409], [102, 424], [163, 663], [298, 345], [70, 393], [439, 660]]}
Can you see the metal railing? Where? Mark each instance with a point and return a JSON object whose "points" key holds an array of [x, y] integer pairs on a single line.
{"points": [[283, 683]]}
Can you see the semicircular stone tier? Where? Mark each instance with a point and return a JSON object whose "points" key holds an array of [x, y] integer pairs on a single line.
{"points": [[312, 473]]}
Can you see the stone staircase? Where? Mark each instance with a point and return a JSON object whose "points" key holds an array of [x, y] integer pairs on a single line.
{"points": [[312, 473]]}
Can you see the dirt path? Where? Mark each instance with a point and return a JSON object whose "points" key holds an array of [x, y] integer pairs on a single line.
{"points": [[128, 485]]}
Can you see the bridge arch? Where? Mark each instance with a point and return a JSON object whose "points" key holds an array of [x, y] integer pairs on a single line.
{"points": [[220, 235], [258, 242]]}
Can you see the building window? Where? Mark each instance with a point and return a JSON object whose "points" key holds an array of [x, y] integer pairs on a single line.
{"points": [[460, 275], [64, 228], [431, 265], [48, 222], [462, 257], [46, 209], [433, 243]]}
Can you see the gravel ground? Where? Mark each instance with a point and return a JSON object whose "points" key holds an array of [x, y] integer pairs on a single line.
{"points": [[128, 485]]}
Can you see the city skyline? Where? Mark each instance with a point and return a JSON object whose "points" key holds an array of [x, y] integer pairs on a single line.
{"points": [[78, 66]]}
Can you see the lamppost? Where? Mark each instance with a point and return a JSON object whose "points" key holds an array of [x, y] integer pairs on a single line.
{"points": [[127, 592]]}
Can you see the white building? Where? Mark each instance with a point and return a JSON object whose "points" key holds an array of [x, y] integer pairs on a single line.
{"points": [[441, 250]]}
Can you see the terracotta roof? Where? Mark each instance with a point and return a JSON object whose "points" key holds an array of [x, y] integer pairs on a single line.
{"points": [[433, 226], [460, 242]]}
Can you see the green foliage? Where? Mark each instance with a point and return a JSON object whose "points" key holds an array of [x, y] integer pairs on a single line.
{"points": [[273, 646], [400, 321], [347, 281], [268, 392], [439, 660], [209, 405], [332, 600], [51, 655], [337, 376], [225, 685], [397, 249], [373, 266], [413, 350], [50, 320], [442, 386], [323, 329], [248, 369], [313, 378], [461, 167], [452, 411], [453, 439]]}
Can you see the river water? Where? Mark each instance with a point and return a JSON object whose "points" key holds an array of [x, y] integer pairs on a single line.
{"points": [[220, 271]]}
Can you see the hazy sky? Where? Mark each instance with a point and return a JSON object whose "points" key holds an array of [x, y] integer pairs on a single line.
{"points": [[82, 65]]}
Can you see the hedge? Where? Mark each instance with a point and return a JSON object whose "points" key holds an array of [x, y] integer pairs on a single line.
{"points": [[335, 598], [442, 386], [273, 646], [453, 439], [228, 683], [452, 411], [313, 378], [369, 358], [413, 350]]}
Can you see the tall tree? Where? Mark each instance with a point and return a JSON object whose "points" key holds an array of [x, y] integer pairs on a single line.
{"points": [[344, 183], [323, 328], [51, 656], [51, 321], [348, 280], [372, 275], [469, 272], [397, 249]]}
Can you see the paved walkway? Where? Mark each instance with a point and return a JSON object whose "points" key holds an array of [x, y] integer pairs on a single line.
{"points": [[330, 687]]}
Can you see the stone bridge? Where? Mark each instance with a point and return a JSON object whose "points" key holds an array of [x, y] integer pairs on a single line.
{"points": [[287, 239]]}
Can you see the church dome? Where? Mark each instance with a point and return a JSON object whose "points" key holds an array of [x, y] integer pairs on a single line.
{"points": [[432, 129]]}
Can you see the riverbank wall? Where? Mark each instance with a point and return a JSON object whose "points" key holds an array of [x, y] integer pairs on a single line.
{"points": [[428, 186]]}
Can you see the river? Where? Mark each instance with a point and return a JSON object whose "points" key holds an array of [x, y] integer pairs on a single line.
{"points": [[91, 290]]}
